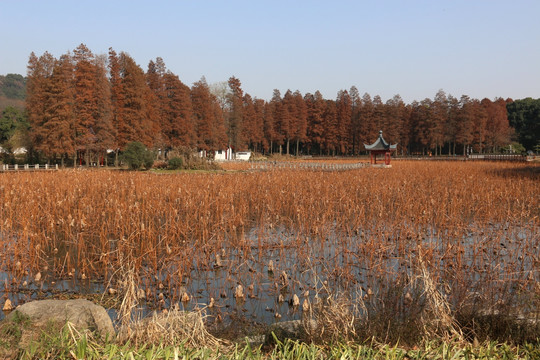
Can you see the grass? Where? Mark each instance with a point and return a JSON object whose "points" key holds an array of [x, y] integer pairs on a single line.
{"points": [[71, 344], [11, 332]]}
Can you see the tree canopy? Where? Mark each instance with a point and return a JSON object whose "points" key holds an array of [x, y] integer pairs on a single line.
{"points": [[524, 116], [83, 105]]}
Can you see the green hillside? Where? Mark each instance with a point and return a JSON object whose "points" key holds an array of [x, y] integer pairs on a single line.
{"points": [[13, 86], [12, 91]]}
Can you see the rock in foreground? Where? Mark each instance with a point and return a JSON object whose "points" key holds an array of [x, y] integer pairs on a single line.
{"points": [[83, 314]]}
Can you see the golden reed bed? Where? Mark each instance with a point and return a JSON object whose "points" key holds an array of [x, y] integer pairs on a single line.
{"points": [[473, 226]]}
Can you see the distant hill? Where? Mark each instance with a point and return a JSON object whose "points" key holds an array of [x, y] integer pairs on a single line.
{"points": [[13, 86], [12, 91]]}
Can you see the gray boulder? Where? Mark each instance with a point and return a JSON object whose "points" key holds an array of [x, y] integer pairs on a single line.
{"points": [[83, 314]]}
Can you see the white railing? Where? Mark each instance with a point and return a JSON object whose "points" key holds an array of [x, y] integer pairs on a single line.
{"points": [[268, 165], [28, 167], [497, 157]]}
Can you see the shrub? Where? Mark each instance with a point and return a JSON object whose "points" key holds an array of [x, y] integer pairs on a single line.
{"points": [[514, 148], [190, 160], [176, 163], [136, 155]]}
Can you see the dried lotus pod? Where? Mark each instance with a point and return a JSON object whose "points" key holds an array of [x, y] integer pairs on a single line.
{"points": [[305, 305], [8, 306], [239, 292]]}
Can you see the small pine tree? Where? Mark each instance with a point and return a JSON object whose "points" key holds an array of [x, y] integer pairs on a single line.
{"points": [[136, 155]]}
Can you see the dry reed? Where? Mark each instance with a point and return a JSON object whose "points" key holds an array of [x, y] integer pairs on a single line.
{"points": [[476, 226], [172, 328]]}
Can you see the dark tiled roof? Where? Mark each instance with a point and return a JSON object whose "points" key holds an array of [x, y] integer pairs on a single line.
{"points": [[380, 144]]}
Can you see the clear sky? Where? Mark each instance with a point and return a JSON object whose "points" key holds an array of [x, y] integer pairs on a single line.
{"points": [[481, 48]]}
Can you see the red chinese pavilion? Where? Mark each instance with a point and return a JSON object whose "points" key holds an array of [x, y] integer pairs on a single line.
{"points": [[380, 147]]}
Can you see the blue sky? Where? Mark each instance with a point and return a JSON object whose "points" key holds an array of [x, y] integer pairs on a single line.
{"points": [[481, 48]]}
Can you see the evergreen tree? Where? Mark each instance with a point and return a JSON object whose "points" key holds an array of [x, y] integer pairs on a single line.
{"points": [[355, 131], [344, 114], [235, 115], [395, 122], [367, 124], [270, 135], [94, 129], [117, 101], [439, 120], [300, 129], [133, 117], [280, 119], [249, 121], [178, 122], [330, 128], [498, 131], [524, 117], [465, 123], [316, 107], [204, 115], [56, 136]]}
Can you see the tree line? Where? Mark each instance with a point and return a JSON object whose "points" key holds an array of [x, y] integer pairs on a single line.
{"points": [[81, 105]]}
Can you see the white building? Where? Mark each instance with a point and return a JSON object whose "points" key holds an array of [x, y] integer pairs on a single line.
{"points": [[228, 155], [243, 155], [223, 155]]}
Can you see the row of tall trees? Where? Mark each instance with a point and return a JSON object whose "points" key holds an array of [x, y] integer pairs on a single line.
{"points": [[81, 105], [310, 124]]}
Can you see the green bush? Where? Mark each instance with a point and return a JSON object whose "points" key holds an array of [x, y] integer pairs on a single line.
{"points": [[136, 155], [514, 148], [176, 163]]}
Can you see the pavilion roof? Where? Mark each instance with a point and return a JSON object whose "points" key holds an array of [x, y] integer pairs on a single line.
{"points": [[380, 144]]}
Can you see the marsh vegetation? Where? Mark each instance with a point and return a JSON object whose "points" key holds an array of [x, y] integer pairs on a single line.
{"points": [[407, 254]]}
